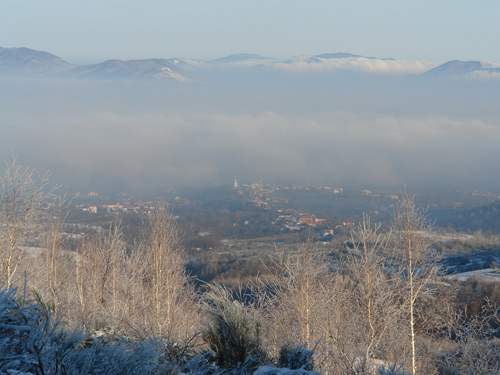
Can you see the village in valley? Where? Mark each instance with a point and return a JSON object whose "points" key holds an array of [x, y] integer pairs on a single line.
{"points": [[253, 197], [263, 212]]}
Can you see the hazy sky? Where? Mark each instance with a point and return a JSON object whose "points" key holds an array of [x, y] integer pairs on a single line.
{"points": [[91, 31]]}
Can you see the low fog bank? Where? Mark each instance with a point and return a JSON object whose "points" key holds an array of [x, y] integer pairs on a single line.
{"points": [[283, 127]]}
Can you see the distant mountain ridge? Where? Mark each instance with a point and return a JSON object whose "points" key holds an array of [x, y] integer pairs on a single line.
{"points": [[26, 60], [32, 63], [457, 68], [131, 69], [29, 62]]}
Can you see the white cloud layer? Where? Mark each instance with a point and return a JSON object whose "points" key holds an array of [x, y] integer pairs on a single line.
{"points": [[365, 65]]}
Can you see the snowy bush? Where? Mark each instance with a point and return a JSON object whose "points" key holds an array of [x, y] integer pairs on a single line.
{"points": [[201, 364], [32, 342], [119, 358], [295, 358], [393, 370], [234, 334], [15, 332]]}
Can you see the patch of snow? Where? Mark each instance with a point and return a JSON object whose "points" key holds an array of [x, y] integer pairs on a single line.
{"points": [[166, 72]]}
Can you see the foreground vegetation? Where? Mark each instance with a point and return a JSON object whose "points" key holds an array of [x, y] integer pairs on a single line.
{"points": [[111, 306]]}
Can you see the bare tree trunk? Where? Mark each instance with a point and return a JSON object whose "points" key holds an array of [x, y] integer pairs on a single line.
{"points": [[417, 261], [55, 221], [373, 297]]}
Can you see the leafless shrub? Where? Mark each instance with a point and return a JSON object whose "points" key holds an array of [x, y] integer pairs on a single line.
{"points": [[300, 290], [145, 291], [23, 195], [477, 346], [303, 309], [373, 298], [98, 269], [168, 307]]}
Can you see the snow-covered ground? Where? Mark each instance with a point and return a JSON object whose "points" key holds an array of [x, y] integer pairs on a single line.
{"points": [[487, 273]]}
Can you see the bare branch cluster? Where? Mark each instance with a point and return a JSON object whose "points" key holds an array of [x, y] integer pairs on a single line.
{"points": [[145, 288], [23, 196]]}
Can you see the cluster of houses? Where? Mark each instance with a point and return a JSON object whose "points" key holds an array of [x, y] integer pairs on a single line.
{"points": [[139, 207], [143, 208], [262, 196], [298, 221], [124, 204]]}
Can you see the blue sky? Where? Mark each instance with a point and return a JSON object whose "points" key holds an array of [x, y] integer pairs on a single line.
{"points": [[96, 30]]}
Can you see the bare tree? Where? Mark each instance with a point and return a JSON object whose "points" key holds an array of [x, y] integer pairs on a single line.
{"points": [[23, 195], [415, 259], [301, 289], [145, 289], [373, 296], [168, 293], [305, 306], [55, 218], [98, 270]]}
